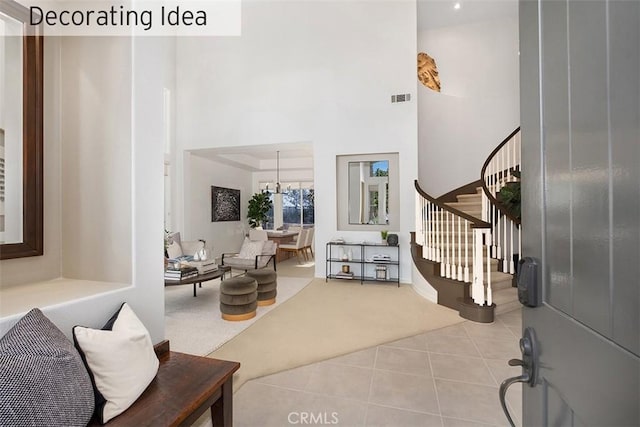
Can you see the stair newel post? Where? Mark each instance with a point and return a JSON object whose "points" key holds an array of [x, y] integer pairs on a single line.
{"points": [[466, 251], [477, 286], [489, 291]]}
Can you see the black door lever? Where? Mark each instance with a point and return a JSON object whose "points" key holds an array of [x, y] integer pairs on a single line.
{"points": [[529, 364]]}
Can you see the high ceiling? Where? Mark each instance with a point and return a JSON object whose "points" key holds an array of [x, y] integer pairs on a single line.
{"points": [[262, 157], [443, 13]]}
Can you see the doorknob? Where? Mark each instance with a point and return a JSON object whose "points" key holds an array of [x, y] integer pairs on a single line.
{"points": [[529, 363]]}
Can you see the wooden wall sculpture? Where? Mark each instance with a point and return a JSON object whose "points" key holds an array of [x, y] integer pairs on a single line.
{"points": [[428, 72]]}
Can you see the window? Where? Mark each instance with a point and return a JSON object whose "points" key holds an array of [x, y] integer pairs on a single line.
{"points": [[297, 203]]}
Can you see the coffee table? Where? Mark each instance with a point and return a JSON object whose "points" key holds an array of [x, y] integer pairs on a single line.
{"points": [[197, 280]]}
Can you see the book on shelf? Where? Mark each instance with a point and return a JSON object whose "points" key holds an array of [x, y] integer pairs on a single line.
{"points": [[343, 275]]}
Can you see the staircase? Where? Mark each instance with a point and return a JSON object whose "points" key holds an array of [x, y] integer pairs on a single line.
{"points": [[465, 244]]}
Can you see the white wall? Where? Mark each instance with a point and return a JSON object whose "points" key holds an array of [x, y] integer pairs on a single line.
{"points": [[96, 158], [201, 175], [308, 71], [479, 103], [117, 97]]}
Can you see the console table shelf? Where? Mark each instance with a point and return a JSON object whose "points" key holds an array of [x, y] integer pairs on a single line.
{"points": [[367, 269]]}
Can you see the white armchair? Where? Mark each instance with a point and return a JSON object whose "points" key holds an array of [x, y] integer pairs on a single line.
{"points": [[254, 254], [178, 248]]}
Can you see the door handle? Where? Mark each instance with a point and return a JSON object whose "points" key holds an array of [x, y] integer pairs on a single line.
{"points": [[529, 363]]}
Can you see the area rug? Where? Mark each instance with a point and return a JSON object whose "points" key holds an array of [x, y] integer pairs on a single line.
{"points": [[194, 326], [326, 320]]}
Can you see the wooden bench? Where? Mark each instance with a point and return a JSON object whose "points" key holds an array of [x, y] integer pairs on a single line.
{"points": [[185, 387]]}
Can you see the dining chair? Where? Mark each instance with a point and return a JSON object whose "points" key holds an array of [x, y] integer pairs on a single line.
{"points": [[296, 247], [308, 246]]}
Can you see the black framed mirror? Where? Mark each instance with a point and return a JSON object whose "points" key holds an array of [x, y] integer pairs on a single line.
{"points": [[27, 137]]}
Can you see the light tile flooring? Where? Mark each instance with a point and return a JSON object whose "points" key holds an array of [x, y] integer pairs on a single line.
{"points": [[448, 377]]}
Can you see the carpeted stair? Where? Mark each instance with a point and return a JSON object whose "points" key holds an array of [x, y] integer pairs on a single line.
{"points": [[505, 296]]}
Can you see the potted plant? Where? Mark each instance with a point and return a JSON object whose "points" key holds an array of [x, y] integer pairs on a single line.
{"points": [[384, 234], [510, 196], [259, 206]]}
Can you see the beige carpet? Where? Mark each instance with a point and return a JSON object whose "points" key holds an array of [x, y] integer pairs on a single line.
{"points": [[325, 320], [194, 326]]}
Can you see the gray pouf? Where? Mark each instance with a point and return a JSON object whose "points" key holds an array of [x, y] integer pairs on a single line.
{"points": [[238, 298], [267, 283]]}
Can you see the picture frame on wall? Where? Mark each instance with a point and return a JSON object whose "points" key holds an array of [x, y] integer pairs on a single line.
{"points": [[225, 204]]}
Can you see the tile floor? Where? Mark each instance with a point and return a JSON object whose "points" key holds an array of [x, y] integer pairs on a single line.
{"points": [[448, 377]]}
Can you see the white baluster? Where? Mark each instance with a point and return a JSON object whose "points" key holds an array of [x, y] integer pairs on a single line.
{"points": [[459, 249], [442, 255], [513, 148], [418, 218], [429, 225], [505, 252], [494, 250], [466, 251], [520, 241], [447, 246], [511, 266], [438, 228], [498, 247]]}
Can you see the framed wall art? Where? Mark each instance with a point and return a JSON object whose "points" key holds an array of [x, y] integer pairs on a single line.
{"points": [[225, 204]]}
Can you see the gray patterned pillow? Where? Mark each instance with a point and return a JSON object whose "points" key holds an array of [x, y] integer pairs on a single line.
{"points": [[43, 381]]}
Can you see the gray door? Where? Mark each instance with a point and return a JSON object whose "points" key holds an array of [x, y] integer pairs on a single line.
{"points": [[580, 96]]}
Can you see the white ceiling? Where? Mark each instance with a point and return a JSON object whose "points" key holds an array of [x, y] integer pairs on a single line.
{"points": [[298, 155], [441, 13]]}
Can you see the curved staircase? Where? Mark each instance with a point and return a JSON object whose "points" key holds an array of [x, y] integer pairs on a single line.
{"points": [[465, 244]]}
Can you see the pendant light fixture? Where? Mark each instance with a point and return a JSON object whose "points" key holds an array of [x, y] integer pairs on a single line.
{"points": [[277, 172]]}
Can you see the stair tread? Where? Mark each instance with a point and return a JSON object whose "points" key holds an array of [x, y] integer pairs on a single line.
{"points": [[506, 295], [471, 196], [465, 203]]}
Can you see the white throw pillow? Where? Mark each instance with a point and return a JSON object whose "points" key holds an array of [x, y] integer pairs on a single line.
{"points": [[251, 248], [121, 360], [174, 250]]}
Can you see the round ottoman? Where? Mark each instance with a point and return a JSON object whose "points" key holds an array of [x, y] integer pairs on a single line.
{"points": [[238, 298], [267, 284]]}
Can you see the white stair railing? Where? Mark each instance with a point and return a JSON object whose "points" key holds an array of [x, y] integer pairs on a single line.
{"points": [[456, 240], [501, 168]]}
